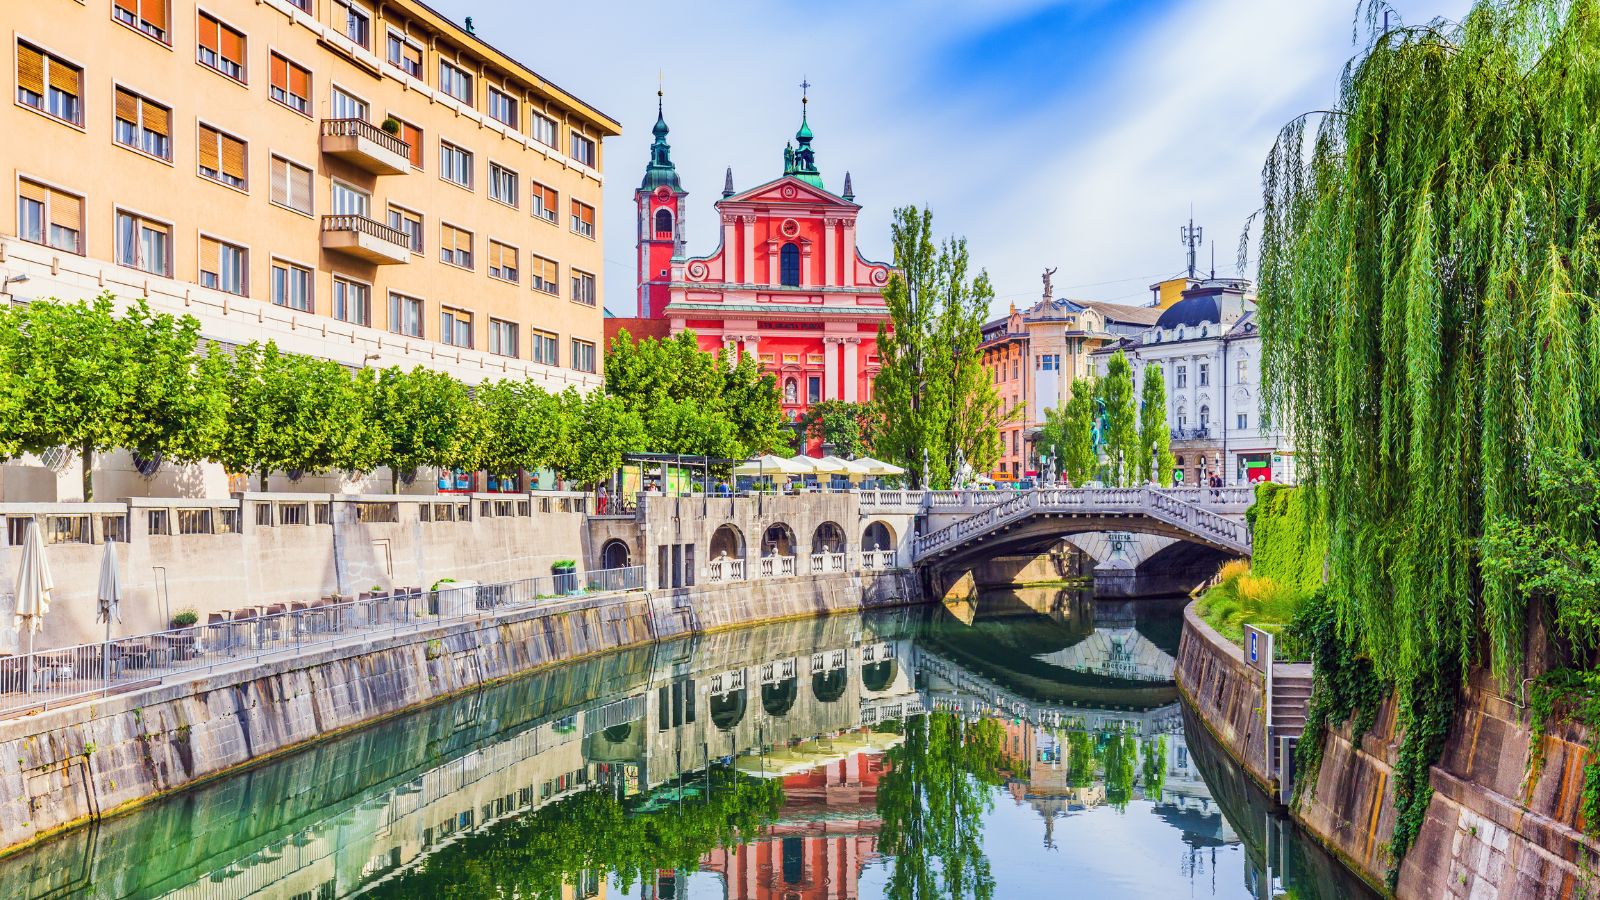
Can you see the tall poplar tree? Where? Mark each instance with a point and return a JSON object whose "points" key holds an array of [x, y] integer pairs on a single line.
{"points": [[932, 388], [1121, 424], [1068, 434], [1155, 440]]}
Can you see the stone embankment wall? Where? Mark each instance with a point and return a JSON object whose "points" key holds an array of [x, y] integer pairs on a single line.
{"points": [[65, 766], [1488, 833]]}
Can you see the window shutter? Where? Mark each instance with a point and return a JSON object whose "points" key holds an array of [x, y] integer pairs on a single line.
{"points": [[66, 210], [155, 12], [447, 241], [129, 6], [64, 78], [280, 181], [35, 192], [233, 157], [157, 119], [30, 69], [209, 153], [300, 188], [210, 252], [127, 106], [232, 45], [412, 135], [278, 71], [208, 33], [299, 81]]}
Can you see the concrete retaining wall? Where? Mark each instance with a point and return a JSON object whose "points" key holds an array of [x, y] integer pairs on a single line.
{"points": [[1487, 834], [65, 766]]}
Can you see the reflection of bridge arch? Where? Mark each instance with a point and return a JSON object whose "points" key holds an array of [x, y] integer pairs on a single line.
{"points": [[778, 698], [727, 710], [879, 676], [829, 686]]}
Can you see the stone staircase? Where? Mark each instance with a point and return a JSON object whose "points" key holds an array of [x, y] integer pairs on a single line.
{"points": [[1291, 700]]}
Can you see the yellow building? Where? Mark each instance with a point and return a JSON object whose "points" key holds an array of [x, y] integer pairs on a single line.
{"points": [[365, 181]]}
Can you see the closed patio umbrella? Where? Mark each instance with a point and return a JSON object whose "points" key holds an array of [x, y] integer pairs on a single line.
{"points": [[110, 592], [34, 586]]}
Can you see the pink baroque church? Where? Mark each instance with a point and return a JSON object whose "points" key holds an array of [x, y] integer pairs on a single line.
{"points": [[785, 284]]}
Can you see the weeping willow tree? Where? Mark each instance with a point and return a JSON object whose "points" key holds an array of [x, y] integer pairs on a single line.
{"points": [[1429, 263]]}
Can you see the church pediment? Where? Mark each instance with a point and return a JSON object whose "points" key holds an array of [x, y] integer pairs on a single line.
{"points": [[789, 189]]}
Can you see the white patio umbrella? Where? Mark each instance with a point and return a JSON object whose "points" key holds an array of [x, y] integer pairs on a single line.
{"points": [[769, 465], [879, 468], [833, 465], [110, 592], [34, 586]]}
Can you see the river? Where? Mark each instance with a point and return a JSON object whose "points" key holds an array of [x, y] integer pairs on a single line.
{"points": [[1028, 744]]}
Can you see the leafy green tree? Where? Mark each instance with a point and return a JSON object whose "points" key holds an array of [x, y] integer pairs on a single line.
{"points": [[693, 402], [848, 428], [1121, 422], [522, 426], [1154, 437], [96, 382], [294, 413], [1068, 433], [15, 405], [605, 428], [422, 416], [932, 388]]}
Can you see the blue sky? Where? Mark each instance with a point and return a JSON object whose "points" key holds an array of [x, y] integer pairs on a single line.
{"points": [[1073, 134]]}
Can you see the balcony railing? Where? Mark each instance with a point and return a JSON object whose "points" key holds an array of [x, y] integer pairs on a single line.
{"points": [[365, 238], [1192, 434], [366, 145]]}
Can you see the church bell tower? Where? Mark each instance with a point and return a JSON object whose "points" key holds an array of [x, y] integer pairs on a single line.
{"points": [[661, 229]]}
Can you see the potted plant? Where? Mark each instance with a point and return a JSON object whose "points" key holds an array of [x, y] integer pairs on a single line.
{"points": [[392, 125], [566, 575], [182, 644]]}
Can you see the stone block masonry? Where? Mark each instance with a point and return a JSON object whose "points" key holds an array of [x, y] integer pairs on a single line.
{"points": [[65, 766]]}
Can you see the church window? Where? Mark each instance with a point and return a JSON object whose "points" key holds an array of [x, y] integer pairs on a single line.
{"points": [[789, 265], [663, 222], [813, 389]]}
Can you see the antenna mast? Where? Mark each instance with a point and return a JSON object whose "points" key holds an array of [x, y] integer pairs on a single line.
{"points": [[1190, 236]]}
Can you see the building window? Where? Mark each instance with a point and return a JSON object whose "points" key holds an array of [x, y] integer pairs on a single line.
{"points": [[502, 337], [502, 184], [345, 105], [1242, 372], [356, 22], [221, 47], [291, 185], [455, 246], [455, 81], [814, 389], [502, 108], [582, 149], [583, 290], [582, 355], [663, 223], [144, 244], [405, 315], [350, 201], [546, 348], [503, 262], [455, 164], [412, 135], [542, 129], [222, 157], [148, 16], [583, 219], [1183, 376], [405, 54], [143, 125], [543, 274], [455, 327], [1243, 422], [49, 84], [544, 201], [1205, 417], [410, 223], [291, 84], [1205, 374], [49, 217], [223, 266], [789, 265], [291, 285], [352, 301]]}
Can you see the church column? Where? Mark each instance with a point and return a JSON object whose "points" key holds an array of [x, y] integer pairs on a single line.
{"points": [[749, 249], [830, 359], [805, 265], [730, 243], [827, 263], [752, 346], [849, 252], [852, 352]]}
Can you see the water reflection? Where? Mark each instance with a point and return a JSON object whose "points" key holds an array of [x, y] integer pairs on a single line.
{"points": [[1028, 742]]}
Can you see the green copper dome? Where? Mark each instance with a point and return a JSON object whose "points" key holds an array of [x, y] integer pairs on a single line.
{"points": [[660, 170], [801, 162]]}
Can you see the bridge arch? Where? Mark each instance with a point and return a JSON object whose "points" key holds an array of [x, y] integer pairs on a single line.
{"points": [[615, 555], [828, 538], [777, 698], [727, 540], [727, 710], [829, 686], [879, 676], [778, 540], [878, 536]]}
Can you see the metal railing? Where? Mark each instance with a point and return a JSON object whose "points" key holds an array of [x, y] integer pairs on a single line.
{"points": [[51, 677], [363, 225], [361, 128]]}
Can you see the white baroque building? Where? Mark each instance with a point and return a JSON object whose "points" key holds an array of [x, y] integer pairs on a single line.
{"points": [[1209, 350]]}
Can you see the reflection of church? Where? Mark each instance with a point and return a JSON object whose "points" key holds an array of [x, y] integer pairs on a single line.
{"points": [[826, 833]]}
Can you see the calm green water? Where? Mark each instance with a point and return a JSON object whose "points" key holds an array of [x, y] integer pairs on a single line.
{"points": [[1031, 744]]}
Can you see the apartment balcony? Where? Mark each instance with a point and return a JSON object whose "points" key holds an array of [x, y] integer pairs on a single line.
{"points": [[364, 239], [363, 144], [1192, 434]]}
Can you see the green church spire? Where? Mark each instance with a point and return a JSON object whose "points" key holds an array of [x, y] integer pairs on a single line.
{"points": [[801, 162], [660, 169]]}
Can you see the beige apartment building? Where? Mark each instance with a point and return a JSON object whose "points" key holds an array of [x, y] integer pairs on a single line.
{"points": [[364, 180]]}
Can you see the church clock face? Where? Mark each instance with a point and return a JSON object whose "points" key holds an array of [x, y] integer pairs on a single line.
{"points": [[790, 228]]}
